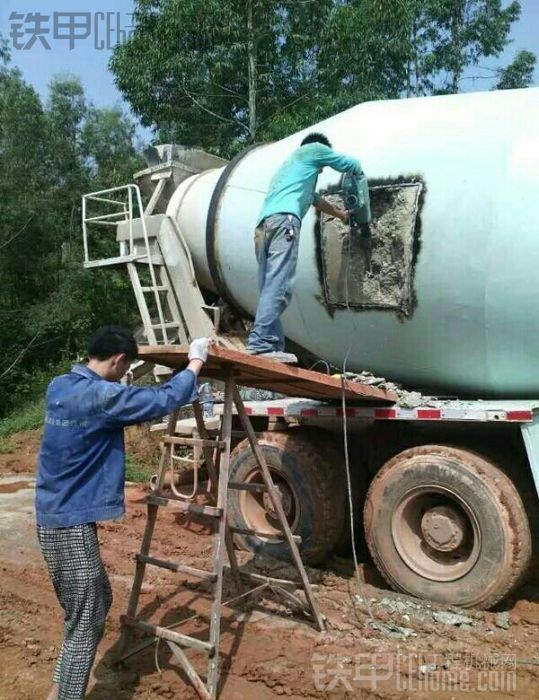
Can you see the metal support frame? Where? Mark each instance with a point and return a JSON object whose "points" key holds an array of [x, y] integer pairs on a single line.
{"points": [[217, 457], [156, 241], [127, 248]]}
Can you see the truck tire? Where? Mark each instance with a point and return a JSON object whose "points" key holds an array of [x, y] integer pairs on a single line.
{"points": [[446, 524], [307, 469]]}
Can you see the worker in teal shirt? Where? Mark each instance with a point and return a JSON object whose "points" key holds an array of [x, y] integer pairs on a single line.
{"points": [[291, 193]]}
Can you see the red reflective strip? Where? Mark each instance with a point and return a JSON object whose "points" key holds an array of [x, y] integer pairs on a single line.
{"points": [[275, 411], [385, 413], [309, 412], [519, 415], [429, 413], [350, 412], [248, 411]]}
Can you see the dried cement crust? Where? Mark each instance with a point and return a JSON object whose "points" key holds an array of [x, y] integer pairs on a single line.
{"points": [[389, 286]]}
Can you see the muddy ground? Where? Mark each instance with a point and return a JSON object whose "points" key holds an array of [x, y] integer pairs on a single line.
{"points": [[377, 645]]}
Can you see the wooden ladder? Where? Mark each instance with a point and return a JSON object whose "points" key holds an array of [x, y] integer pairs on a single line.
{"points": [[217, 458]]}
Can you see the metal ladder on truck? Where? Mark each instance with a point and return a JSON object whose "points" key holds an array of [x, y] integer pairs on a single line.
{"points": [[157, 259], [217, 454]]}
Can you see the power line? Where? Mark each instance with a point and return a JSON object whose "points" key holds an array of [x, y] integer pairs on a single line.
{"points": [[19, 356], [16, 235]]}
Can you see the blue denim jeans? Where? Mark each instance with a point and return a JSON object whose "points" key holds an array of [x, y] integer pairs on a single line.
{"points": [[276, 247]]}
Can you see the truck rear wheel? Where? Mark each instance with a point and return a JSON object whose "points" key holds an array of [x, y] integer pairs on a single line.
{"points": [[306, 468], [446, 524]]}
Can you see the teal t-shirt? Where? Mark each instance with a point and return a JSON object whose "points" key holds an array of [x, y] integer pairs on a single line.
{"points": [[292, 188]]}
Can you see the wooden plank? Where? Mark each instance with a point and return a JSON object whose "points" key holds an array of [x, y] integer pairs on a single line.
{"points": [[165, 633], [325, 389], [179, 568], [139, 574], [261, 373], [190, 671], [266, 535], [260, 578], [247, 486], [193, 442], [222, 543], [184, 506], [278, 506]]}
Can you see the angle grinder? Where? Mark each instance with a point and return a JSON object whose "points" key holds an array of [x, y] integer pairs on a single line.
{"points": [[355, 192]]}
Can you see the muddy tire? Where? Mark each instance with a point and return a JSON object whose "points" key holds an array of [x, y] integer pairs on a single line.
{"points": [[307, 469], [446, 524]]}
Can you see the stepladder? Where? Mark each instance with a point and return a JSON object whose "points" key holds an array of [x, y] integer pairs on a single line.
{"points": [[217, 455]]}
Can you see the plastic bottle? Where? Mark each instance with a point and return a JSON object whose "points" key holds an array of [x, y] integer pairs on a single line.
{"points": [[206, 399]]}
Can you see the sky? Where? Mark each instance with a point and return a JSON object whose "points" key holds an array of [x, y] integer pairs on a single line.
{"points": [[89, 57]]}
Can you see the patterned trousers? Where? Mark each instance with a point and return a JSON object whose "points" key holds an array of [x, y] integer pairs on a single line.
{"points": [[83, 590]]}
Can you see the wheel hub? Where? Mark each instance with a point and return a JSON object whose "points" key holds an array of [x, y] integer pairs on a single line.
{"points": [[257, 509], [435, 533], [286, 501], [443, 528]]}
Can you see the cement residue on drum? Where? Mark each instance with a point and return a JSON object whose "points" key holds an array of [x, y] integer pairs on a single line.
{"points": [[347, 280]]}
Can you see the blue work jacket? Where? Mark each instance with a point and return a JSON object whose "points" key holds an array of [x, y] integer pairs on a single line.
{"points": [[81, 468]]}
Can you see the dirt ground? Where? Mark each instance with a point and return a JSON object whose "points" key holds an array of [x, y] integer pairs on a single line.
{"points": [[378, 644]]}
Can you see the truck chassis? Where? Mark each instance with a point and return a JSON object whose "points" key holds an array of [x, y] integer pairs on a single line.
{"points": [[447, 493]]}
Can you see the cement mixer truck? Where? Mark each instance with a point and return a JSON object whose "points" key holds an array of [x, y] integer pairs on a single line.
{"points": [[446, 487]]}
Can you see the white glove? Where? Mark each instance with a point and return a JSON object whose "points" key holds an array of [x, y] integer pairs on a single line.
{"points": [[198, 350]]}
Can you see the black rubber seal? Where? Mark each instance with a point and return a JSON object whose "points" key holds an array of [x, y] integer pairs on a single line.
{"points": [[211, 226]]}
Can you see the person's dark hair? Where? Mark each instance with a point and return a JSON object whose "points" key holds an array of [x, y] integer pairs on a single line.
{"points": [[316, 137], [112, 340]]}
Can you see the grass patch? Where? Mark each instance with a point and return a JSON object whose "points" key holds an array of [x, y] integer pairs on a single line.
{"points": [[136, 471], [6, 446], [28, 407], [27, 417]]}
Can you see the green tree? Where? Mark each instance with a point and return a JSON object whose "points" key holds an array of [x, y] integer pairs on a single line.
{"points": [[23, 179], [466, 31], [108, 147], [225, 73], [48, 302], [4, 53], [215, 72], [519, 73]]}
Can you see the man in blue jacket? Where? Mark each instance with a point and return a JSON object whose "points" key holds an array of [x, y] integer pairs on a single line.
{"points": [[291, 193], [80, 481]]}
